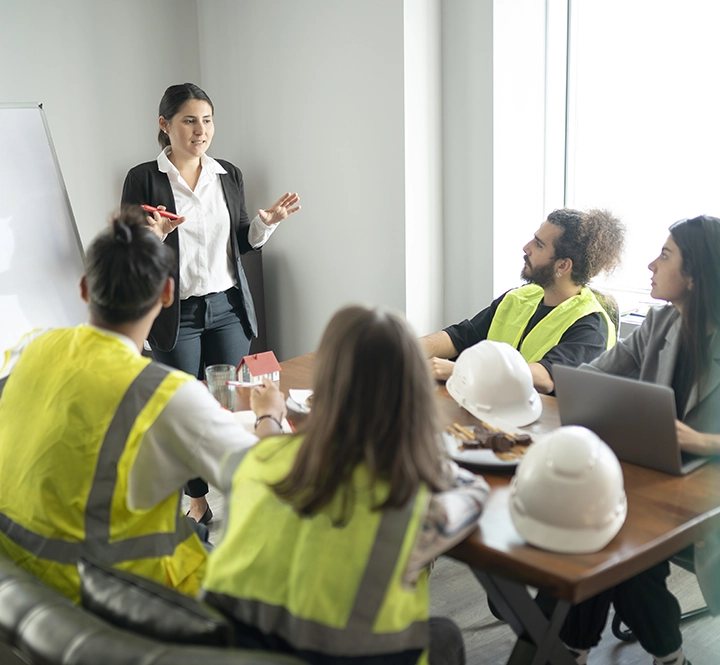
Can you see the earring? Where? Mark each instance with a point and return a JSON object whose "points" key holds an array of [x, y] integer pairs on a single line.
{"points": [[559, 274]]}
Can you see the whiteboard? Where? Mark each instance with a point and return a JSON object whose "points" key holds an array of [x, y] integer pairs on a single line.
{"points": [[41, 257]]}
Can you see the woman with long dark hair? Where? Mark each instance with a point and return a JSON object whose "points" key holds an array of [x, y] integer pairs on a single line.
{"points": [[213, 317], [330, 533], [679, 346]]}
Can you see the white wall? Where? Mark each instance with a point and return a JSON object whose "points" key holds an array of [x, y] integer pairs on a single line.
{"points": [[423, 165], [519, 133], [310, 97], [493, 146], [467, 70], [99, 69]]}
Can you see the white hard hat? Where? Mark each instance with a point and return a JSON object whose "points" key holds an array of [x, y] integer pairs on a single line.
{"points": [[493, 381], [567, 494]]}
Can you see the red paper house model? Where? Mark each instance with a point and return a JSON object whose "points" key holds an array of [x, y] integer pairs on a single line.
{"points": [[259, 366]]}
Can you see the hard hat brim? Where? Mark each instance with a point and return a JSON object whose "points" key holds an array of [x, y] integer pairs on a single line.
{"points": [[564, 540], [517, 416]]}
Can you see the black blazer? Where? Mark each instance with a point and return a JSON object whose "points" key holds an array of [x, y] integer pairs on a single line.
{"points": [[145, 183]]}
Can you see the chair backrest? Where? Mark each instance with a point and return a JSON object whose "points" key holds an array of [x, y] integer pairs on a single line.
{"points": [[611, 307], [253, 266]]}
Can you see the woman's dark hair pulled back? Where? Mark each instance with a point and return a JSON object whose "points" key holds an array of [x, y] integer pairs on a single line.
{"points": [[173, 99], [126, 268]]}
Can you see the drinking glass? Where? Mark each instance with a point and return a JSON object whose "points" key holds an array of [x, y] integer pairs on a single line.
{"points": [[217, 377]]}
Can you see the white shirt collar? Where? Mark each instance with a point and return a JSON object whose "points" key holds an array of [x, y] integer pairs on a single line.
{"points": [[209, 165]]}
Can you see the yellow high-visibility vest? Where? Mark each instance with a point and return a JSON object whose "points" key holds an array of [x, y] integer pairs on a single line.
{"points": [[517, 307], [72, 415], [336, 590]]}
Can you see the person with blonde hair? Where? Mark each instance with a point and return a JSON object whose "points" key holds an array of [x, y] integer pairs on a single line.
{"points": [[330, 532]]}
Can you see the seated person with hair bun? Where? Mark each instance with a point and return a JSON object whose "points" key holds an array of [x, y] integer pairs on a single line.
{"points": [[96, 440]]}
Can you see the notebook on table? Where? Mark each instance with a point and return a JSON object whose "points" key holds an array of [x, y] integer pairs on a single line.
{"points": [[636, 419]]}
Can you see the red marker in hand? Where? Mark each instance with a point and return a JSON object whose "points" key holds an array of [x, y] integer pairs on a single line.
{"points": [[162, 213]]}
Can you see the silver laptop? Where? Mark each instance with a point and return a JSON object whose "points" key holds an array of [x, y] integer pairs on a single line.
{"points": [[636, 419]]}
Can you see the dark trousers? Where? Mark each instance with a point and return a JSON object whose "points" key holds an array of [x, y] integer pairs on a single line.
{"points": [[645, 605], [211, 333], [447, 646], [203, 533]]}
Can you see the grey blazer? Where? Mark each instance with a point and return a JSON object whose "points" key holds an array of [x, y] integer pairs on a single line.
{"points": [[649, 354]]}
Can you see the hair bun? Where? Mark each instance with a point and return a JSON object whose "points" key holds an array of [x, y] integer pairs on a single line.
{"points": [[122, 232]]}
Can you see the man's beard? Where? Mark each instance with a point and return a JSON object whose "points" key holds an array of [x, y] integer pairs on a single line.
{"points": [[543, 276]]}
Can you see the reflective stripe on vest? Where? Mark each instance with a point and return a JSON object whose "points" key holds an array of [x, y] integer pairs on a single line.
{"points": [[73, 414], [2, 385], [229, 467], [356, 638], [99, 504], [517, 308], [377, 618]]}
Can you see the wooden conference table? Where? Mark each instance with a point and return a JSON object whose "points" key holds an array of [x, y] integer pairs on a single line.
{"points": [[665, 515]]}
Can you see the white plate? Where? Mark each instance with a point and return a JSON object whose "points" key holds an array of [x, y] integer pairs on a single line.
{"points": [[294, 406], [482, 456], [298, 400], [247, 420]]}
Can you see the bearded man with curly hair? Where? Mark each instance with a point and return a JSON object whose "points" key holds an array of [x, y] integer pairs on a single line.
{"points": [[555, 317]]}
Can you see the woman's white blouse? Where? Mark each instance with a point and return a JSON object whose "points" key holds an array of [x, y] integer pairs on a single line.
{"points": [[204, 237]]}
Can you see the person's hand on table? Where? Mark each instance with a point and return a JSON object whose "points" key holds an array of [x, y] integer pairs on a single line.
{"points": [[268, 403], [161, 226], [440, 368], [282, 208], [697, 443]]}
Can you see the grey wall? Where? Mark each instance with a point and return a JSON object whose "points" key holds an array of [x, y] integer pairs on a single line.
{"points": [[309, 97]]}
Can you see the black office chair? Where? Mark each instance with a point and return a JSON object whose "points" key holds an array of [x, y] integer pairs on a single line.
{"points": [[684, 560], [611, 307], [253, 267]]}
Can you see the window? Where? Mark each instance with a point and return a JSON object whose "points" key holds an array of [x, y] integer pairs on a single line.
{"points": [[643, 121]]}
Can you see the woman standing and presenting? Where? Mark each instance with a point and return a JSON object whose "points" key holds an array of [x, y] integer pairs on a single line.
{"points": [[213, 317], [677, 346]]}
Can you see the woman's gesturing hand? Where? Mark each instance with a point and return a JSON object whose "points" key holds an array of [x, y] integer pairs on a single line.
{"points": [[161, 226], [279, 210]]}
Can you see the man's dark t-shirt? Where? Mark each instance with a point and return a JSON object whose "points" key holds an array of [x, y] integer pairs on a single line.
{"points": [[581, 343]]}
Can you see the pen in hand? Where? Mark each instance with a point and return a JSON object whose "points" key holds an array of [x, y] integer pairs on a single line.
{"points": [[162, 213]]}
